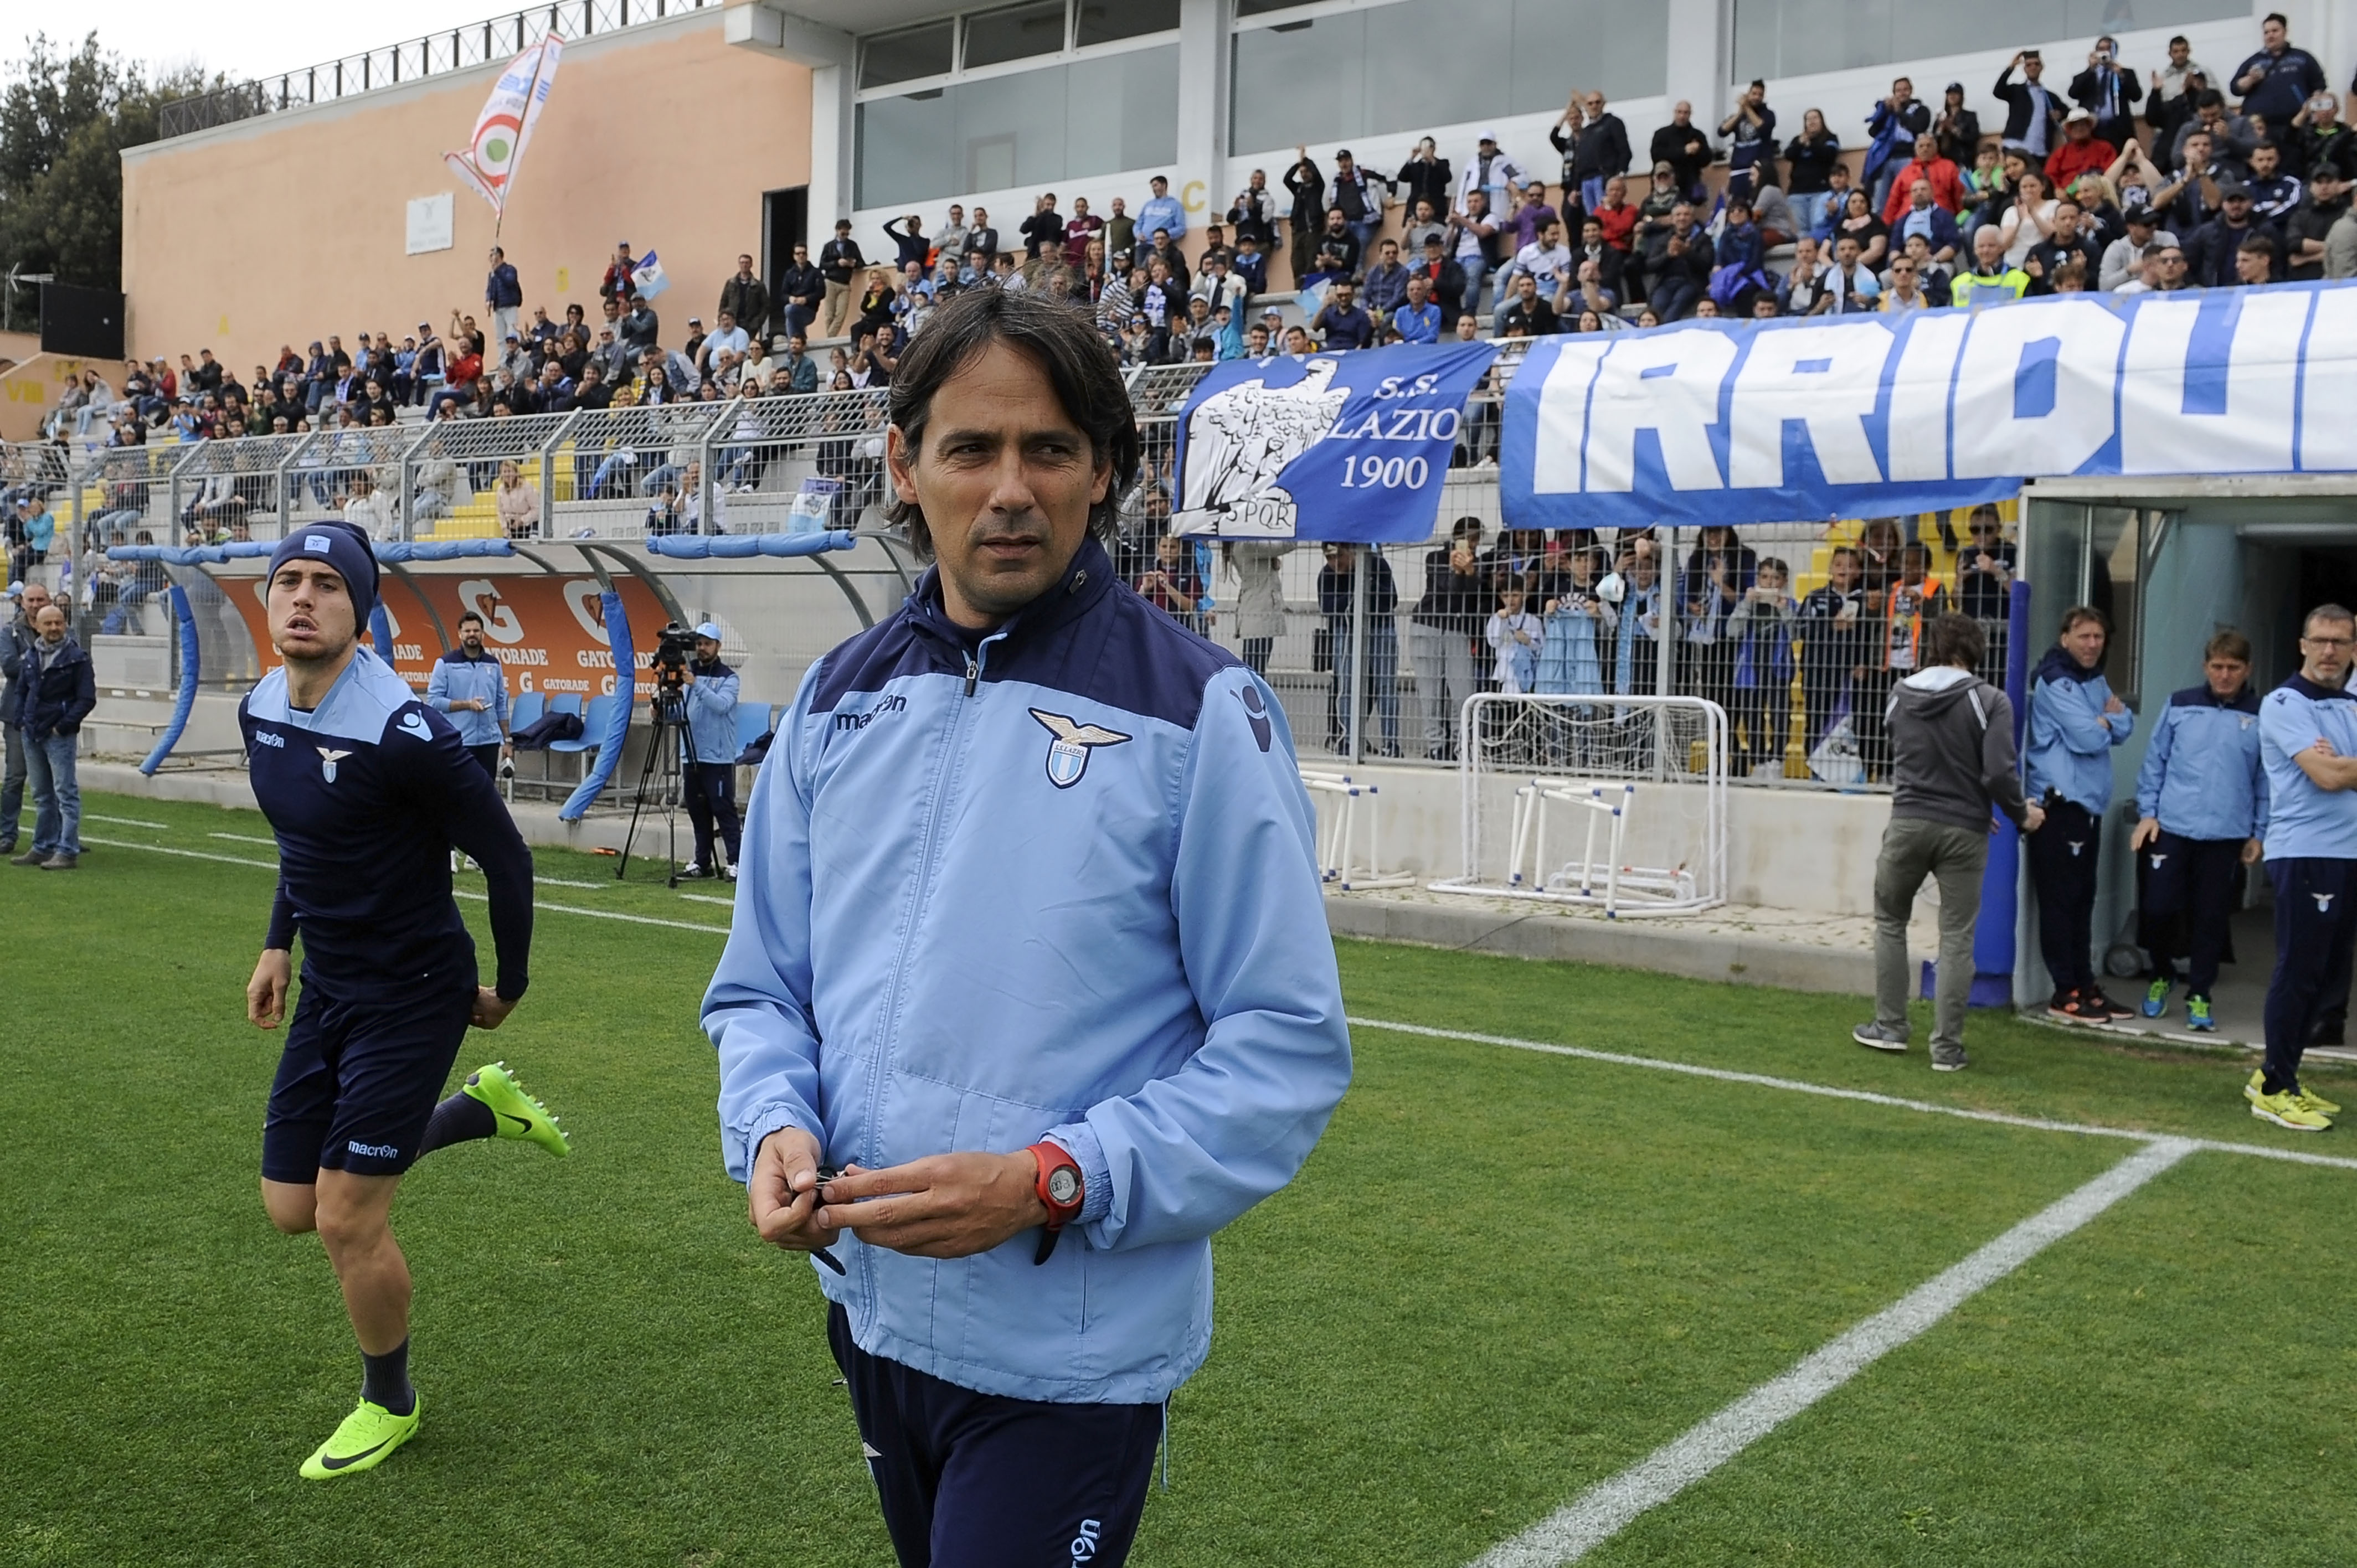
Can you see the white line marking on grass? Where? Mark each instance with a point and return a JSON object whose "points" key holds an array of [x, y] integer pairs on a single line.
{"points": [[126, 822], [708, 898], [183, 853], [1864, 1096], [1604, 1511], [244, 838], [461, 893], [561, 882], [607, 915]]}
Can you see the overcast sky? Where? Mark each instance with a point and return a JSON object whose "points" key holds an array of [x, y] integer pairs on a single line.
{"points": [[241, 37]]}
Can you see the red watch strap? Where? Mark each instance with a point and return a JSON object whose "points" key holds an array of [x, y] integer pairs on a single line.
{"points": [[1052, 1156]]}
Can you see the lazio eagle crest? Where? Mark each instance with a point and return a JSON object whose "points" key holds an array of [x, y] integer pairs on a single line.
{"points": [[1067, 754]]}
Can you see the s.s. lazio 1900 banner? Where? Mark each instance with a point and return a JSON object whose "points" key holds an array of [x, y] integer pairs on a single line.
{"points": [[1843, 416], [1326, 445]]}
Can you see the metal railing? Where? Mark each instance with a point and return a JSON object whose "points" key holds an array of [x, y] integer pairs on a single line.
{"points": [[821, 454], [489, 42], [1367, 664]]}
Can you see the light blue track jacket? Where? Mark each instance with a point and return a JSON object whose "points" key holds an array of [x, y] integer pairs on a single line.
{"points": [[1062, 883], [2202, 777], [457, 678], [2070, 737], [712, 713]]}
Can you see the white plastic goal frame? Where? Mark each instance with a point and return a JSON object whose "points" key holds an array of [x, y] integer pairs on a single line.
{"points": [[1338, 835], [1611, 801]]}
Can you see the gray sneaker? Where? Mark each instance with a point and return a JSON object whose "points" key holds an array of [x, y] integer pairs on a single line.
{"points": [[1879, 1037], [31, 857], [1949, 1062], [61, 861]]}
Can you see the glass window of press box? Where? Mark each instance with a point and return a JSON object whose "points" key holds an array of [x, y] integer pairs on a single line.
{"points": [[1799, 38], [1414, 64], [955, 107]]}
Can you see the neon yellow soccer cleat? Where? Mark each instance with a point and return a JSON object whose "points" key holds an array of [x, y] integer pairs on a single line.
{"points": [[2289, 1111], [2256, 1087], [520, 1115], [362, 1441]]}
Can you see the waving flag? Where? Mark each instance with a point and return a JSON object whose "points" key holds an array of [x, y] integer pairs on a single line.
{"points": [[488, 164], [648, 277]]}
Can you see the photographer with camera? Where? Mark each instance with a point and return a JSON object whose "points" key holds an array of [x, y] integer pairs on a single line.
{"points": [[701, 690]]}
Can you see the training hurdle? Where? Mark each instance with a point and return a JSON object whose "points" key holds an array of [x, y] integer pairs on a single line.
{"points": [[1606, 806], [1338, 834]]}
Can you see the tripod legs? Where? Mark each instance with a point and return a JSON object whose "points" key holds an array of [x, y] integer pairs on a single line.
{"points": [[659, 775]]}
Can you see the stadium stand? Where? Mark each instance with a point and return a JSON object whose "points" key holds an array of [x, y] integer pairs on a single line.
{"points": [[642, 422]]}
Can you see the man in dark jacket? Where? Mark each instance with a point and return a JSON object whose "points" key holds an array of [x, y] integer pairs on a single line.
{"points": [[1042, 230], [1599, 151], [503, 293], [1678, 257], [1448, 280], [54, 692], [2210, 250], [2033, 112], [2278, 80], [747, 297], [1681, 145], [16, 635], [1952, 762], [803, 288], [839, 262], [2109, 93], [1308, 184]]}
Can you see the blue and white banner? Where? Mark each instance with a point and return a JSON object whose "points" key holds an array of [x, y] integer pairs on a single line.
{"points": [[1857, 416], [1324, 446]]}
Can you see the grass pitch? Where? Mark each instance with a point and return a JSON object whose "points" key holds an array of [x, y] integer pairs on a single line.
{"points": [[1502, 1278]]}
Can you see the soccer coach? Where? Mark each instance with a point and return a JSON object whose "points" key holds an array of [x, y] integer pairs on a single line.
{"points": [[1029, 940], [2308, 743]]}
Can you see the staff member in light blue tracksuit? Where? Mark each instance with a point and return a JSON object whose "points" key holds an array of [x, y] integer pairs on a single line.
{"points": [[2201, 809], [2074, 721], [2308, 740], [469, 688], [1030, 933], [710, 690]]}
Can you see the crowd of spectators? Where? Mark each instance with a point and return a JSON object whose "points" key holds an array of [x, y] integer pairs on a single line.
{"points": [[2132, 176]]}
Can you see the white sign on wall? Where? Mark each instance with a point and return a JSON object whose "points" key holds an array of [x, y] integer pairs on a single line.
{"points": [[429, 224]]}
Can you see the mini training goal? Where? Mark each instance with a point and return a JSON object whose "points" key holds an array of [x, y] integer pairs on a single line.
{"points": [[1615, 803]]}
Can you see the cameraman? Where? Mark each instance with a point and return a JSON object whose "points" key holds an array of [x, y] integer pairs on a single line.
{"points": [[708, 735]]}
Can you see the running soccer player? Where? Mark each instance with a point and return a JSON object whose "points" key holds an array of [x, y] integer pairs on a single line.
{"points": [[367, 788], [2202, 811], [2308, 739]]}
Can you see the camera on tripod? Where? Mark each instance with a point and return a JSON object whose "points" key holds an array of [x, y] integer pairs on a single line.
{"points": [[674, 646]]}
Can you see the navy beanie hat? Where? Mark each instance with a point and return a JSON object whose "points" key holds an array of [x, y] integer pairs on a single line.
{"points": [[343, 547]]}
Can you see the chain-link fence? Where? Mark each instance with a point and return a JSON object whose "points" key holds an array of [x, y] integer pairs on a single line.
{"points": [[1798, 631], [37, 474]]}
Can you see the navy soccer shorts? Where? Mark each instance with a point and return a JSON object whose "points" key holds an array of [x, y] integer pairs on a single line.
{"points": [[977, 1480], [359, 1081]]}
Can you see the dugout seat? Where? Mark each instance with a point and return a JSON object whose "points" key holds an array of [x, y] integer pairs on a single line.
{"points": [[593, 730], [563, 702]]}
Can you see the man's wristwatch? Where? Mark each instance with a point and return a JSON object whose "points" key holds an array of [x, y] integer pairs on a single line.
{"points": [[1061, 1188]]}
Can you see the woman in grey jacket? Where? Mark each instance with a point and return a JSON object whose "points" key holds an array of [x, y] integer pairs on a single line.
{"points": [[1260, 599]]}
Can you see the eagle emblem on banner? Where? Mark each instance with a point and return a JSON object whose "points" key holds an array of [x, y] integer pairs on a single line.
{"points": [[1238, 441]]}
